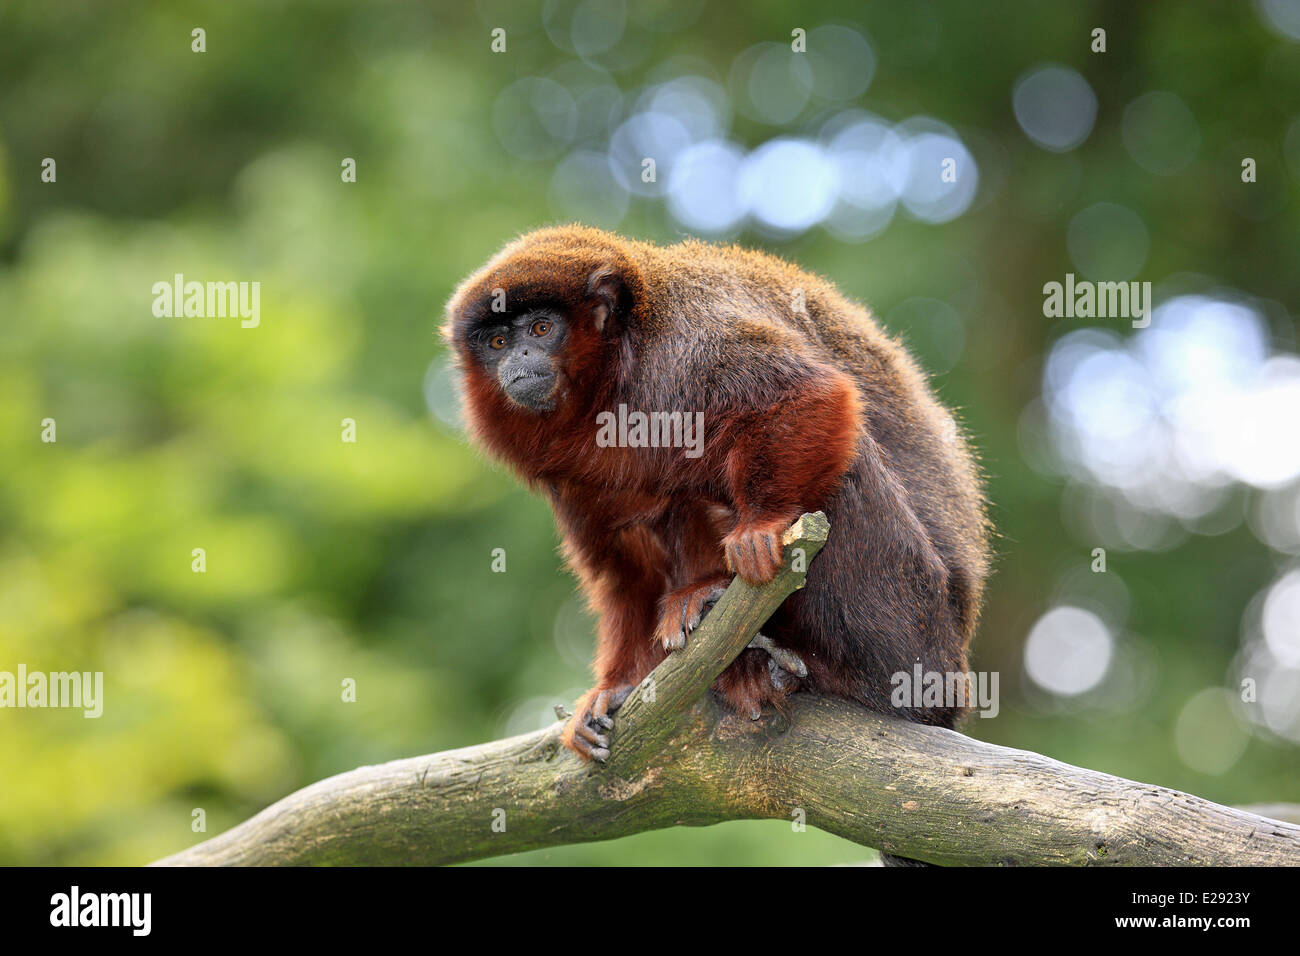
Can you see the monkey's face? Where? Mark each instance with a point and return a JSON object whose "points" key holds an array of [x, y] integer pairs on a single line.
{"points": [[523, 354]]}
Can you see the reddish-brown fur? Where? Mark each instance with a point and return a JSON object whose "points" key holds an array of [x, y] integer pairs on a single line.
{"points": [[805, 408]]}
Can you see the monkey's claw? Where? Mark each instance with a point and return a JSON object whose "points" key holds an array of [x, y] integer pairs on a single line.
{"points": [[682, 611], [595, 714], [784, 667], [754, 551]]}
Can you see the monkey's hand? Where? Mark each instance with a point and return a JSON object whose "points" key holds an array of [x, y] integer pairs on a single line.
{"points": [[682, 610], [586, 734], [753, 549]]}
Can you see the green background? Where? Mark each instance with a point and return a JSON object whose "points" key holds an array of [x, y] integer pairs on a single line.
{"points": [[328, 560]]}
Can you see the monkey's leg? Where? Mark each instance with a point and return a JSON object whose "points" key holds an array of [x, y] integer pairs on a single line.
{"points": [[622, 577], [763, 673], [755, 678], [685, 608]]}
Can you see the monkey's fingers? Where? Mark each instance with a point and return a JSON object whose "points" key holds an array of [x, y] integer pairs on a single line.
{"points": [[674, 624], [594, 713], [607, 703], [714, 596], [682, 611], [581, 735], [584, 738], [753, 553], [578, 737], [588, 733], [784, 658], [784, 666]]}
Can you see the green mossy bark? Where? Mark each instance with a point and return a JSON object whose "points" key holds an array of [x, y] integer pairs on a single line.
{"points": [[680, 759]]}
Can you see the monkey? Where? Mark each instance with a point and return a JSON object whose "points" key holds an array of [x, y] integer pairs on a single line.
{"points": [[807, 404]]}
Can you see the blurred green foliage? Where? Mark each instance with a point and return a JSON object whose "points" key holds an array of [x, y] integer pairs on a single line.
{"points": [[371, 561]]}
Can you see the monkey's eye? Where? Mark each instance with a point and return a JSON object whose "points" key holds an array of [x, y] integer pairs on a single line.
{"points": [[497, 341], [541, 327]]}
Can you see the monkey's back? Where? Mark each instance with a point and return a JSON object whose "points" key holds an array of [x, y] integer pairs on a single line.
{"points": [[758, 295], [756, 300]]}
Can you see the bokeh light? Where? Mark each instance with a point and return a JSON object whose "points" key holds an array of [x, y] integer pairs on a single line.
{"points": [[1281, 620], [1168, 417], [1270, 657], [1108, 242], [789, 184], [1207, 734], [703, 192], [842, 62], [585, 28], [649, 135], [1068, 651], [583, 188], [671, 139], [933, 151], [1283, 16], [771, 83], [1055, 107], [535, 118], [1160, 133]]}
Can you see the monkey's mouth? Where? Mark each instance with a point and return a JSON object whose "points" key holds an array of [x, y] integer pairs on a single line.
{"points": [[523, 377], [532, 390]]}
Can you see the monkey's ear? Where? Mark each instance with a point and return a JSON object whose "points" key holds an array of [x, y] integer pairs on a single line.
{"points": [[608, 288]]}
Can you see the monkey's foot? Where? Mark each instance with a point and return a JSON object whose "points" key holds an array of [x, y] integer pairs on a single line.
{"points": [[753, 549], [682, 610], [594, 714], [763, 674], [784, 667]]}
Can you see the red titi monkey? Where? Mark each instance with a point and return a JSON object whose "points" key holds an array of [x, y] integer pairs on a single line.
{"points": [[807, 405]]}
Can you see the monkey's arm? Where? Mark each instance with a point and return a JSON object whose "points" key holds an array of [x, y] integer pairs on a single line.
{"points": [[787, 451], [621, 572], [792, 458], [883, 591]]}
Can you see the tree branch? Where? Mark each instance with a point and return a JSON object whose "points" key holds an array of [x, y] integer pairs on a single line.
{"points": [[678, 758]]}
